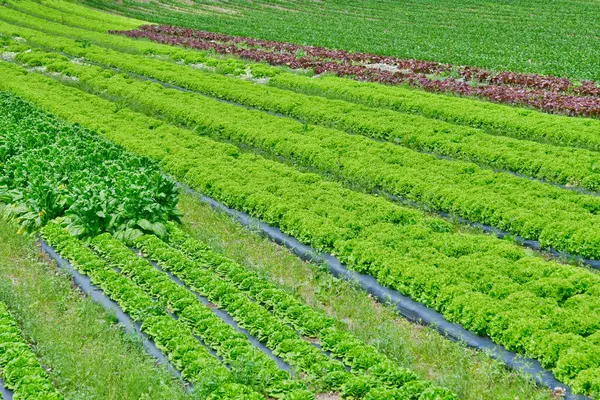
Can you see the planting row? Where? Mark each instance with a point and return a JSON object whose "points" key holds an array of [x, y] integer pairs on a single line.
{"points": [[71, 14], [171, 336], [280, 338], [520, 206], [466, 33], [19, 367], [50, 169], [548, 101], [567, 166], [468, 73], [304, 319], [497, 119], [489, 286], [360, 357]]}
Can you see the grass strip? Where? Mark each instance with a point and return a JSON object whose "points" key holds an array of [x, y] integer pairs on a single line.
{"points": [[20, 368], [83, 351]]}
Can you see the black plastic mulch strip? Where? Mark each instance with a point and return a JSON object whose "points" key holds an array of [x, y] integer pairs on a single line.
{"points": [[408, 308], [6, 393], [96, 294]]}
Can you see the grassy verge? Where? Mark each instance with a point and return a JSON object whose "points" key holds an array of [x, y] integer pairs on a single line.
{"points": [[471, 374], [86, 354]]}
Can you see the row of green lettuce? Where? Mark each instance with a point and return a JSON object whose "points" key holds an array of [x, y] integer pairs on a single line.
{"points": [[32, 130], [373, 376], [494, 118], [19, 367], [317, 368], [569, 166], [535, 307], [70, 13], [51, 169], [560, 219]]}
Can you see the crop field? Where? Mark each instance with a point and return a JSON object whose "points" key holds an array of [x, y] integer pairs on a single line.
{"points": [[250, 200], [524, 35]]}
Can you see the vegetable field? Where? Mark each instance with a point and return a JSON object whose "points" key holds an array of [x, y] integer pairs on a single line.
{"points": [[457, 190]]}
